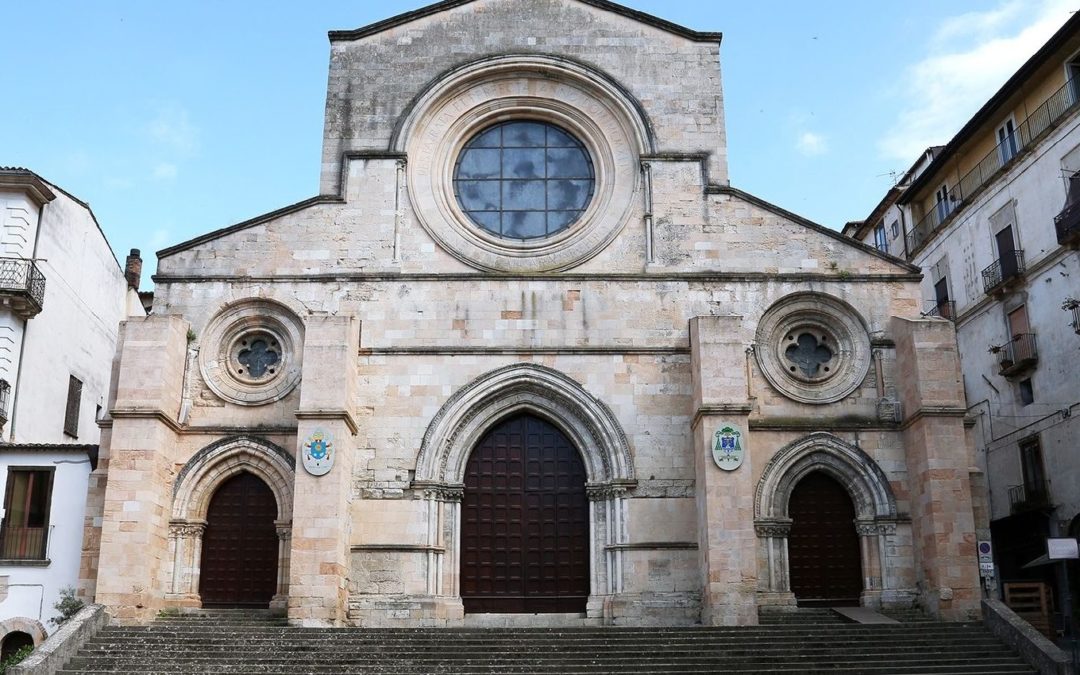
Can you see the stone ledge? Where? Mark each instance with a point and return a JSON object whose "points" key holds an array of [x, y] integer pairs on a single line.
{"points": [[1020, 635], [62, 645]]}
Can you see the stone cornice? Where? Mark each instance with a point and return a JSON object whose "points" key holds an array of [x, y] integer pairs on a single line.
{"points": [[654, 546], [716, 409], [557, 277], [336, 415], [931, 411], [146, 413], [27, 182], [508, 350]]}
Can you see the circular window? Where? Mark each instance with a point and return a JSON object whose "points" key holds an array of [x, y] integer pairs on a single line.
{"points": [[813, 348], [251, 353], [523, 179]]}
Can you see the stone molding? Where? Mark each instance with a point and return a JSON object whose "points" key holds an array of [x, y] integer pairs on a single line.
{"points": [[251, 317], [538, 87], [467, 415], [822, 316], [864, 480], [219, 461], [772, 527]]}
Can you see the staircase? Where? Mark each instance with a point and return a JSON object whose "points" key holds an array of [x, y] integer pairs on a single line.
{"points": [[247, 642]]}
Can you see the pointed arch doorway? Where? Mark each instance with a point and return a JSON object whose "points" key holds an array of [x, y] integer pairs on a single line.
{"points": [[524, 521], [825, 561], [240, 545]]}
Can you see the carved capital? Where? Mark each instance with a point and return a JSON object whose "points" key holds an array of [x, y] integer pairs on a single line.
{"points": [[284, 532], [599, 493], [184, 530], [773, 527]]}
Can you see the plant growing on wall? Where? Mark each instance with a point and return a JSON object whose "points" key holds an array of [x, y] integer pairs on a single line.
{"points": [[68, 605]]}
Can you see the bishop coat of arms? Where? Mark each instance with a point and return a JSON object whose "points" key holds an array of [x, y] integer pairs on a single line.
{"points": [[727, 450]]}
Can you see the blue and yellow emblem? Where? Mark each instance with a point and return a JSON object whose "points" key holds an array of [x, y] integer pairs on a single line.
{"points": [[318, 455]]}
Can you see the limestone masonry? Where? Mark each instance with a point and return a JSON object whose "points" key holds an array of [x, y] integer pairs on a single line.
{"points": [[522, 420]]}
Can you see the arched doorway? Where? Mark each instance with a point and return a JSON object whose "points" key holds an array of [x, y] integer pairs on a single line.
{"points": [[13, 642], [524, 522], [240, 545], [823, 546]]}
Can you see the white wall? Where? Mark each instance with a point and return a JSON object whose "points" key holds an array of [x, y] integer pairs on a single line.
{"points": [[32, 590]]}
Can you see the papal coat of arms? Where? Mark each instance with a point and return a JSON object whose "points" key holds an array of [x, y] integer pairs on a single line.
{"points": [[727, 451], [318, 453]]}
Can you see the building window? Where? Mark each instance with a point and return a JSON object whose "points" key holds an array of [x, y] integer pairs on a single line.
{"points": [[23, 535], [881, 241], [895, 229], [524, 180], [1027, 394], [1006, 136], [71, 415], [943, 205], [1031, 463]]}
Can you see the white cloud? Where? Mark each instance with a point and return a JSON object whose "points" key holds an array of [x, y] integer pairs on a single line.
{"points": [[172, 128], [165, 171], [971, 57], [811, 144]]}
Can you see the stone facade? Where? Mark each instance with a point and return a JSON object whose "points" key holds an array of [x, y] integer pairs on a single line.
{"points": [[637, 332]]}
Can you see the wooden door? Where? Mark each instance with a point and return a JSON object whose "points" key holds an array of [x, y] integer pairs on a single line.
{"points": [[1006, 247], [823, 547], [240, 545], [525, 522]]}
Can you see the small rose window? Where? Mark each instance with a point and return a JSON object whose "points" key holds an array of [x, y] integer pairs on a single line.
{"points": [[255, 356]]}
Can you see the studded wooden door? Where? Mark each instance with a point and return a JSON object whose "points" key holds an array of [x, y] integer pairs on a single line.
{"points": [[240, 545], [823, 547], [525, 522]]}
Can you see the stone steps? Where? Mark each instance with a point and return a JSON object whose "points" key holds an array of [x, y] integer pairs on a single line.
{"points": [[811, 642]]}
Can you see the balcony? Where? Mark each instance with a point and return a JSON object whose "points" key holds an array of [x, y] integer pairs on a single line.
{"points": [[1028, 498], [22, 286], [1005, 270], [945, 309], [5, 394], [1049, 112], [1018, 355], [1076, 319], [1067, 224], [22, 543]]}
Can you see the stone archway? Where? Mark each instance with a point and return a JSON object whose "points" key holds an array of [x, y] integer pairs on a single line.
{"points": [[871, 496], [30, 627], [586, 422], [196, 484]]}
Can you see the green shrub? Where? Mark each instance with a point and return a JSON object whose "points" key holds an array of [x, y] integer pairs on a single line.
{"points": [[68, 606], [17, 657]]}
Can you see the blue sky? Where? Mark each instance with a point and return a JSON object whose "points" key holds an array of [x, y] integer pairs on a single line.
{"points": [[173, 119]]}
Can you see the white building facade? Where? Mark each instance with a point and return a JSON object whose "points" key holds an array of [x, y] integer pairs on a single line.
{"points": [[63, 296]]}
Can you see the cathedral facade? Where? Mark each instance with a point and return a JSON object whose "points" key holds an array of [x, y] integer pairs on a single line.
{"points": [[529, 353]]}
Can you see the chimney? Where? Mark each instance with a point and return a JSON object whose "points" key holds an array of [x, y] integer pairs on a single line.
{"points": [[133, 269]]}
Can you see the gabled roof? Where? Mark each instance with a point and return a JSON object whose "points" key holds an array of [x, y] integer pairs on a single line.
{"points": [[400, 19]]}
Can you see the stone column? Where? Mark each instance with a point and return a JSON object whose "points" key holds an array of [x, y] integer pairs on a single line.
{"points": [[939, 467], [321, 527], [727, 543], [280, 601], [185, 546], [775, 588], [133, 580]]}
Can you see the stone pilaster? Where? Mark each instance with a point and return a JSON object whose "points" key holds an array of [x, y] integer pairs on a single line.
{"points": [[727, 543], [135, 537], [939, 469], [319, 566]]}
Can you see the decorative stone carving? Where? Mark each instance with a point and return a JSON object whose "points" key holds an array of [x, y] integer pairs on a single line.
{"points": [[773, 527], [525, 87], [252, 352], [813, 348]]}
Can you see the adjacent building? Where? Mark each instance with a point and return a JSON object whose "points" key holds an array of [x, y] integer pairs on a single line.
{"points": [[62, 298], [993, 220], [529, 352]]}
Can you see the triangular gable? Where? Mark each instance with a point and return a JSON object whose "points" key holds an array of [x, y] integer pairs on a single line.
{"points": [[408, 17]]}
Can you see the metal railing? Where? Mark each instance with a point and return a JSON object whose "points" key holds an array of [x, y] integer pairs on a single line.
{"points": [[1067, 224], [1018, 353], [5, 394], [1028, 497], [22, 277], [1006, 268], [943, 310], [1076, 319], [22, 543], [1056, 106]]}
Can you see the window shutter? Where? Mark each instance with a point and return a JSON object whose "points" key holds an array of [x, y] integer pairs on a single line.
{"points": [[74, 398]]}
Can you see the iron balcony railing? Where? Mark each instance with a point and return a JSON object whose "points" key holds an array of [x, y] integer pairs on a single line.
{"points": [[944, 310], [1028, 497], [5, 394], [1006, 268], [22, 282], [1061, 102], [1076, 319], [1067, 224], [22, 543], [1018, 354]]}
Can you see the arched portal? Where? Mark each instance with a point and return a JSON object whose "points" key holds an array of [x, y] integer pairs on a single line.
{"points": [[240, 545], [823, 547], [13, 642], [524, 521]]}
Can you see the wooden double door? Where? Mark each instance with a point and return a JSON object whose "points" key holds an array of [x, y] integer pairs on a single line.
{"points": [[240, 545], [524, 522], [823, 546]]}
